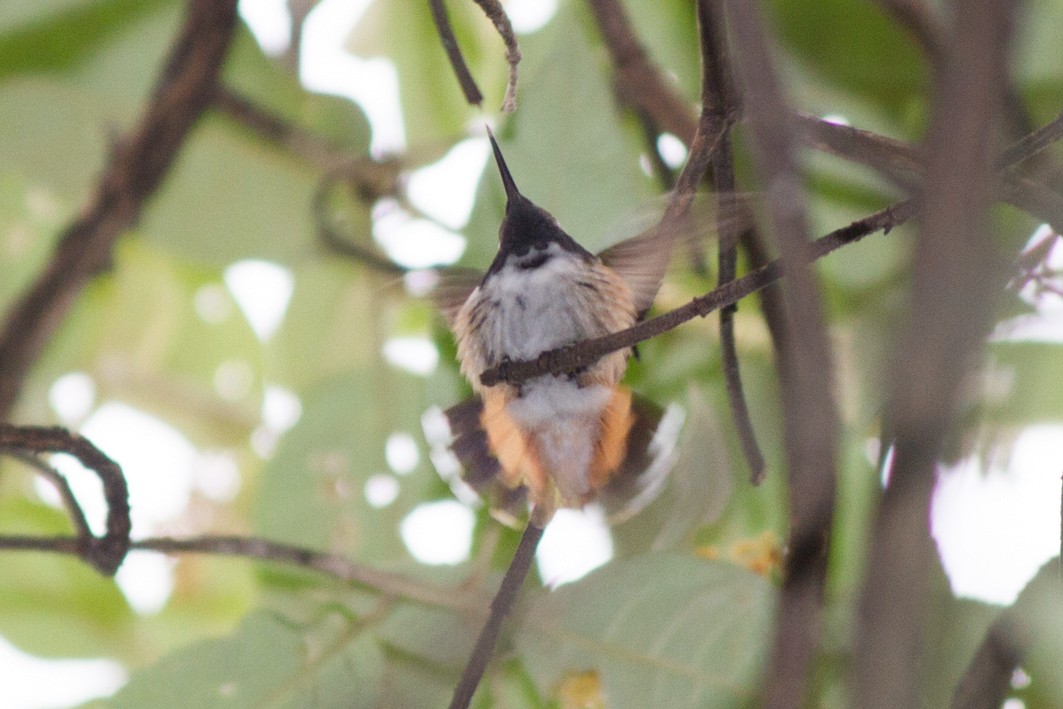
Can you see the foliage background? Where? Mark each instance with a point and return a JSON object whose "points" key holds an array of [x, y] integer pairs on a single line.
{"points": [[661, 625]]}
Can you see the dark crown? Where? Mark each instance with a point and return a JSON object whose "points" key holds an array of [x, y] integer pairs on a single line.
{"points": [[526, 225]]}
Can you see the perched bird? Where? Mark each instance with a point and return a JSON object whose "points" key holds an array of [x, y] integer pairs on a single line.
{"points": [[556, 440]]}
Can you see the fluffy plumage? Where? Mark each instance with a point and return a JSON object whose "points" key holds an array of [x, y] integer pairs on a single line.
{"points": [[563, 438]]}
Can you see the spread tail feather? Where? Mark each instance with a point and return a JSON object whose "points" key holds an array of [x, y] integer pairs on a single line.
{"points": [[631, 463]]}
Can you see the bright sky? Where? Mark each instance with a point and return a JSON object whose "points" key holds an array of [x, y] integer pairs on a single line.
{"points": [[994, 528]]}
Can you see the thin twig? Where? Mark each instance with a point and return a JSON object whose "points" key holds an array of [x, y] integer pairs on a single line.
{"points": [[62, 486], [500, 607], [136, 168], [1032, 144], [454, 55], [335, 241], [333, 565], [277, 130], [901, 162], [499, 18], [720, 98], [104, 553], [572, 357], [462, 599], [952, 302]]}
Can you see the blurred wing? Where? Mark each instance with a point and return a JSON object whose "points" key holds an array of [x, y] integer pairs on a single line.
{"points": [[453, 288], [642, 260]]}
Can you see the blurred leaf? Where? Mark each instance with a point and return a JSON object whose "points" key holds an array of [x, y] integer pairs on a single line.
{"points": [[313, 490], [1023, 382], [333, 312], [29, 219], [855, 46], [142, 335], [270, 85], [1040, 609], [230, 198], [266, 662], [55, 605], [54, 135], [55, 34], [954, 629], [665, 630]]}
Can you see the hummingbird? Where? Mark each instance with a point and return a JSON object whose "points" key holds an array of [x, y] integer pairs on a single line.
{"points": [[555, 440]]}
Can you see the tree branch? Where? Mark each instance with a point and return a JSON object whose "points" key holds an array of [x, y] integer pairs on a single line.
{"points": [[62, 486], [495, 13], [338, 243], [104, 553], [957, 276], [639, 82], [457, 60], [136, 168], [499, 18], [720, 99], [582, 354], [810, 417], [500, 607]]}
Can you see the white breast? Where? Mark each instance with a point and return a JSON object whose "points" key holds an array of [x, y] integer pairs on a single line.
{"points": [[537, 309]]}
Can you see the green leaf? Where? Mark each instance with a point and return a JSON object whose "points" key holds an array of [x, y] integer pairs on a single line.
{"points": [[54, 135], [56, 34], [162, 355], [230, 197], [665, 630], [1023, 381], [55, 605], [854, 46], [267, 662], [313, 491], [29, 220]]}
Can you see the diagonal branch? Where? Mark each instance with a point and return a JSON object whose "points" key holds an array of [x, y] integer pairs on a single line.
{"points": [[495, 13], [639, 82], [582, 354], [501, 604], [137, 166], [454, 56]]}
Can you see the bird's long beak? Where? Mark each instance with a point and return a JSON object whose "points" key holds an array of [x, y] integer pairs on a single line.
{"points": [[512, 193]]}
